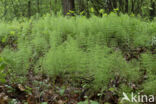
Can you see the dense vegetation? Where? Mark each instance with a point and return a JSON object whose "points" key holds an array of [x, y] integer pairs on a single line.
{"points": [[113, 53], [26, 8], [77, 51]]}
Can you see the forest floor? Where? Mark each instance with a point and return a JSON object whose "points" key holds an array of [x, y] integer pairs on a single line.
{"points": [[41, 89]]}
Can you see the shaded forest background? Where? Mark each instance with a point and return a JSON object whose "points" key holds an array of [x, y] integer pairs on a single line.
{"points": [[28, 8]]}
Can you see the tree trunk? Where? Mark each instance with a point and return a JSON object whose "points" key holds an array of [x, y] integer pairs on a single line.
{"points": [[114, 4], [109, 6], [68, 5], [153, 10], [133, 6], [50, 6], [81, 5], [55, 7], [29, 8], [126, 6], [38, 6], [121, 5], [87, 8]]}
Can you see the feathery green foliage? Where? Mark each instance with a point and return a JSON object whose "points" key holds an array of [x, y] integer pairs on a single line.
{"points": [[93, 47]]}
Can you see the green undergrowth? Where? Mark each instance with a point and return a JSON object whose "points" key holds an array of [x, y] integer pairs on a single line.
{"points": [[89, 47]]}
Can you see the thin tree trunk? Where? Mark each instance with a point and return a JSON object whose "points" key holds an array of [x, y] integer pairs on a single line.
{"points": [[81, 5], [114, 4], [121, 5], [87, 10], [153, 10], [55, 7], [50, 4], [29, 8], [126, 6], [110, 6], [67, 6], [132, 6], [140, 10]]}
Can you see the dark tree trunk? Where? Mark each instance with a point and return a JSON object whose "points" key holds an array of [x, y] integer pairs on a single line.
{"points": [[68, 5], [132, 6], [109, 7], [114, 4], [121, 4], [81, 5], [29, 8], [87, 6], [55, 7], [126, 6], [50, 5], [140, 10], [153, 10]]}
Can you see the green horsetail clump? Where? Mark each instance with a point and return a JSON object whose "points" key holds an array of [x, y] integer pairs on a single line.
{"points": [[102, 49]]}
